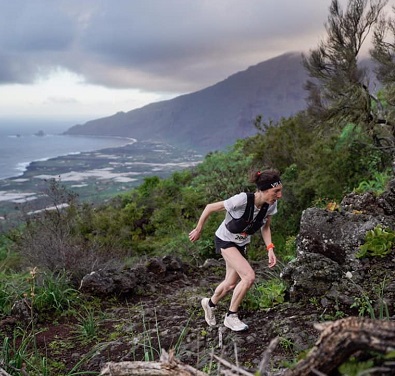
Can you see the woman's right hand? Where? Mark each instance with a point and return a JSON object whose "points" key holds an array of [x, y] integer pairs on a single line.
{"points": [[210, 208], [194, 235]]}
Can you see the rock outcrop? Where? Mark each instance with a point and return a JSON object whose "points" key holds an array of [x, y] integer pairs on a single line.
{"points": [[326, 265], [138, 280]]}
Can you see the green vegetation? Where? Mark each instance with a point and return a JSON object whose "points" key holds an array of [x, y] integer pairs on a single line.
{"points": [[87, 327], [21, 355], [19, 350], [379, 242], [366, 305], [377, 185], [355, 367], [265, 294]]}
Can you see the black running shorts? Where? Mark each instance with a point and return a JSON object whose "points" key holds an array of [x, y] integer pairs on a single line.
{"points": [[222, 244]]}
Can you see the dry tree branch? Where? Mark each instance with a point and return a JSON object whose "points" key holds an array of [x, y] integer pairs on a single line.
{"points": [[343, 338]]}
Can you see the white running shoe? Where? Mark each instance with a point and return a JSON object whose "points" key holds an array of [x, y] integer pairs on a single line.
{"points": [[234, 323], [209, 313]]}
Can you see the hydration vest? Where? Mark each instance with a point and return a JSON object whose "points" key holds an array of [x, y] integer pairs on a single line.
{"points": [[247, 224]]}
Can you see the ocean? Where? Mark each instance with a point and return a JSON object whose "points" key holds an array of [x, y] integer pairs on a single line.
{"points": [[22, 142]]}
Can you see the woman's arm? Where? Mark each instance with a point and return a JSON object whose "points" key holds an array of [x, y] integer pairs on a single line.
{"points": [[208, 210], [267, 238]]}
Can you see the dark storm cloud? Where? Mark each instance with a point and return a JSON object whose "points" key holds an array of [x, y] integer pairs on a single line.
{"points": [[31, 34], [186, 40], [37, 29], [168, 45]]}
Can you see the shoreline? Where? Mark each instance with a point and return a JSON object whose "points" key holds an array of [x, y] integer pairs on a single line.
{"points": [[94, 176], [24, 166]]}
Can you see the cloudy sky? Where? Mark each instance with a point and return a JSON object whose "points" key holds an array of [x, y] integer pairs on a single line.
{"points": [[84, 59]]}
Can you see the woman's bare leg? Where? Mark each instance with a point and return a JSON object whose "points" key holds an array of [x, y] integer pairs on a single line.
{"points": [[237, 267], [228, 284]]}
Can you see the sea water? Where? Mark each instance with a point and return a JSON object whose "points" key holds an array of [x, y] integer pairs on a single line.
{"points": [[22, 142]]}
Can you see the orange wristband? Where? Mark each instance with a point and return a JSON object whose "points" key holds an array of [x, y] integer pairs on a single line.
{"points": [[270, 246]]}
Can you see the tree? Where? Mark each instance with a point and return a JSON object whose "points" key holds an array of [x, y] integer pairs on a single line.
{"points": [[339, 89], [383, 52], [339, 93]]}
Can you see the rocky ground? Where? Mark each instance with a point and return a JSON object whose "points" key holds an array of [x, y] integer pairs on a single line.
{"points": [[167, 314]]}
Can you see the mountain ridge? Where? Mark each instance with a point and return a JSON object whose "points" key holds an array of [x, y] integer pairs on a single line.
{"points": [[216, 116]]}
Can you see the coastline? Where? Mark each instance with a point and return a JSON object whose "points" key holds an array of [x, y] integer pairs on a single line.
{"points": [[22, 167], [95, 176]]}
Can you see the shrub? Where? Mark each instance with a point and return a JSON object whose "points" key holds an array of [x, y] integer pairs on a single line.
{"points": [[8, 260], [378, 242], [265, 294], [54, 292], [376, 185], [13, 286], [52, 241]]}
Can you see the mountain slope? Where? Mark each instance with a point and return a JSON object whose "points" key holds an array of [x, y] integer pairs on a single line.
{"points": [[215, 117]]}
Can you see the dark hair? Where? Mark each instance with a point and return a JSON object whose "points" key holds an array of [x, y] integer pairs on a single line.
{"points": [[266, 179]]}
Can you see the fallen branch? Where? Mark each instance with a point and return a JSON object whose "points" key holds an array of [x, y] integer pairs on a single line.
{"points": [[233, 370], [168, 366], [343, 338], [4, 373], [264, 364]]}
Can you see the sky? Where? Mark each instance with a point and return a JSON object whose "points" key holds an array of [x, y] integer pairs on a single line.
{"points": [[79, 60]]}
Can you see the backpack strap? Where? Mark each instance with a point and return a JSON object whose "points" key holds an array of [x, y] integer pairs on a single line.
{"points": [[248, 214], [247, 223], [256, 223]]}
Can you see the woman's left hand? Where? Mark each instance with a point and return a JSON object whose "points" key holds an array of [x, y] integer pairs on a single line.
{"points": [[272, 258]]}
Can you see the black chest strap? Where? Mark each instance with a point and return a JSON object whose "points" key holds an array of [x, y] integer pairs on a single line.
{"points": [[247, 223]]}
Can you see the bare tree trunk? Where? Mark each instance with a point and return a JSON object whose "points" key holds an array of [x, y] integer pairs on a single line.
{"points": [[342, 338]]}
